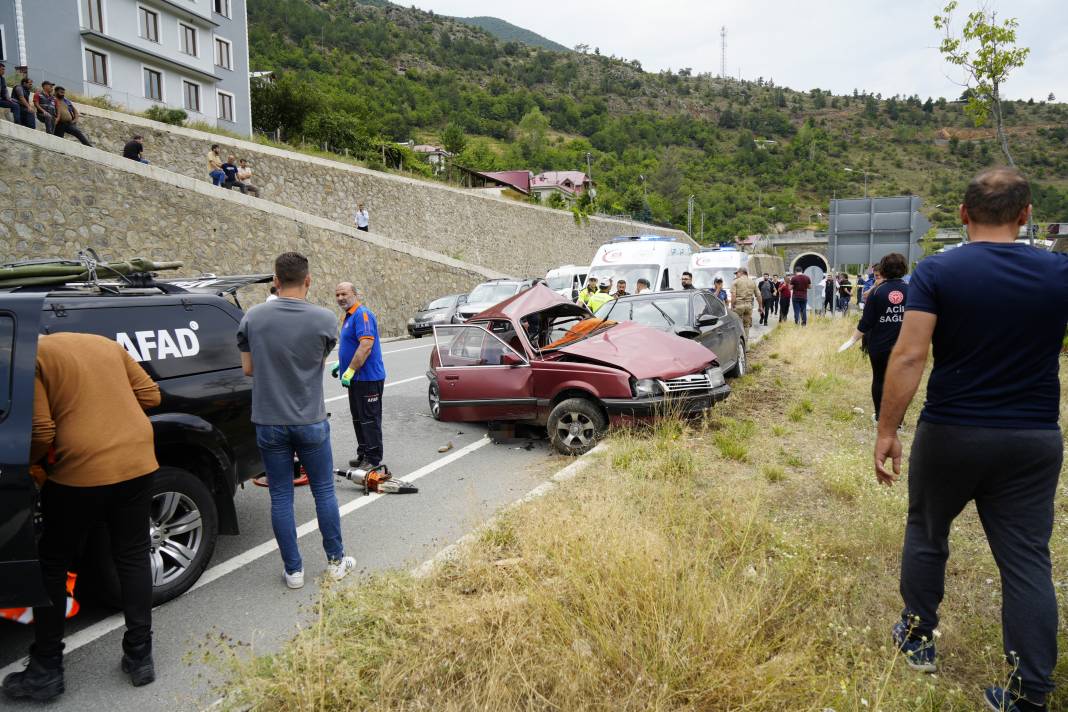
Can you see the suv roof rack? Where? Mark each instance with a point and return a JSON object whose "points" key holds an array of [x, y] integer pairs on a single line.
{"points": [[87, 270]]}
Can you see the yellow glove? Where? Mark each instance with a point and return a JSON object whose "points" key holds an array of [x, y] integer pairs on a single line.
{"points": [[346, 377]]}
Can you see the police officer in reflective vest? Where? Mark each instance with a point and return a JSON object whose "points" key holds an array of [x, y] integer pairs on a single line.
{"points": [[601, 297], [363, 373]]}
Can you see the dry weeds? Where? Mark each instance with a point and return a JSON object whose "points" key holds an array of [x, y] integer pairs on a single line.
{"points": [[746, 563]]}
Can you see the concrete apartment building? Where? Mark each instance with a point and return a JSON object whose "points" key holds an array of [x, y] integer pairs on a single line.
{"points": [[186, 54]]}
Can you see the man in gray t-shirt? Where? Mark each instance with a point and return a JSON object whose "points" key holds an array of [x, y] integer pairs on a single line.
{"points": [[284, 344]]}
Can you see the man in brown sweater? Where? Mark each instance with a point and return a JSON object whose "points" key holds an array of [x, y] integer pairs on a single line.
{"points": [[95, 442]]}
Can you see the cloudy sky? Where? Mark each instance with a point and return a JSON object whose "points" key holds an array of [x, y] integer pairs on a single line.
{"points": [[884, 47]]}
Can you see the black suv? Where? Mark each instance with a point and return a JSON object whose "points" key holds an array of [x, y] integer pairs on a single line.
{"points": [[183, 334]]}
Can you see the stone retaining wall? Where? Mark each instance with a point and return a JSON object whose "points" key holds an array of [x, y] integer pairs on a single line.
{"points": [[520, 239], [57, 196]]}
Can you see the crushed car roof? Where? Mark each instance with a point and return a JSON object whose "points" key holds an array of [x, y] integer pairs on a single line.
{"points": [[536, 299]]}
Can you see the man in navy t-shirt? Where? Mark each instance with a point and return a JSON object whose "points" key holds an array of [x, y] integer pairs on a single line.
{"points": [[988, 431], [364, 374]]}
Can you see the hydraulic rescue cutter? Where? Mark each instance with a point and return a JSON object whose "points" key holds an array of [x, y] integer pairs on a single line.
{"points": [[376, 479]]}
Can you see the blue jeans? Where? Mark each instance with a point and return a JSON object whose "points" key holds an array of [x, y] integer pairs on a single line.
{"points": [[277, 444], [217, 177], [801, 310]]}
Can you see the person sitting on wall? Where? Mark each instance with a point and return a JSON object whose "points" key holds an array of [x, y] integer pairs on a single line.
{"points": [[134, 148], [215, 162], [67, 118], [229, 169], [244, 174]]}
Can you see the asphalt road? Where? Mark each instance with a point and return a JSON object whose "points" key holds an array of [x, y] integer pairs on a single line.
{"points": [[241, 595]]}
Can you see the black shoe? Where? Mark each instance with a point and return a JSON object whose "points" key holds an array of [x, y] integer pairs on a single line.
{"points": [[360, 464], [37, 682], [142, 671]]}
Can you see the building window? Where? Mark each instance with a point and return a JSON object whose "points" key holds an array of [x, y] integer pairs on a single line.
{"points": [[188, 39], [223, 53], [221, 7], [153, 84], [149, 24], [192, 96], [94, 14], [96, 67], [226, 106]]}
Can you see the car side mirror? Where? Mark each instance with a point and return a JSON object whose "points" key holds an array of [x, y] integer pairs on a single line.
{"points": [[707, 320], [511, 359], [687, 333]]}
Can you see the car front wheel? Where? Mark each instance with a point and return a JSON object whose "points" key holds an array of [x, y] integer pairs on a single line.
{"points": [[575, 425]]}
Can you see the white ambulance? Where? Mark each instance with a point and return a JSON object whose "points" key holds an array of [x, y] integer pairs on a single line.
{"points": [[567, 280], [657, 258], [712, 262]]}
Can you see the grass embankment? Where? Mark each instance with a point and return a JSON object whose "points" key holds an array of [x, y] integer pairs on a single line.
{"points": [[747, 563]]}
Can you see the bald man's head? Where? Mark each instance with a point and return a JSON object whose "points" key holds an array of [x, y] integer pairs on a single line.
{"points": [[345, 294], [998, 196]]}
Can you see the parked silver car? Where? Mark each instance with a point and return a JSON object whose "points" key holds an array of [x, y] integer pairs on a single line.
{"points": [[438, 311]]}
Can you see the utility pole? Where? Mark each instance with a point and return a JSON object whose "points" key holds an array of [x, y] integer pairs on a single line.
{"points": [[689, 216], [723, 52]]}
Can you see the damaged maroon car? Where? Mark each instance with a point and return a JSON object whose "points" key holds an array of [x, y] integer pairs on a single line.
{"points": [[538, 358]]}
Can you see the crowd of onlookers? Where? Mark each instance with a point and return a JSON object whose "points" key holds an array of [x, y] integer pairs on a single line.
{"points": [[48, 105]]}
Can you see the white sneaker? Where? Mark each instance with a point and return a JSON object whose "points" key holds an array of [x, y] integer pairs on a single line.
{"points": [[294, 580], [340, 569]]}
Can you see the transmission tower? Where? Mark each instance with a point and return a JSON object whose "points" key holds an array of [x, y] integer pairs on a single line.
{"points": [[723, 52]]}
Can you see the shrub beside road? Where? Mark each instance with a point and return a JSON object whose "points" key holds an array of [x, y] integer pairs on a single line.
{"points": [[747, 562]]}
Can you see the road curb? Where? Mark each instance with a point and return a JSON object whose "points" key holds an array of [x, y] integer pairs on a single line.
{"points": [[452, 551]]}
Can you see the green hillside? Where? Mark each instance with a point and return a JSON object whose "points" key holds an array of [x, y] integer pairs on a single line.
{"points": [[754, 155], [507, 32]]}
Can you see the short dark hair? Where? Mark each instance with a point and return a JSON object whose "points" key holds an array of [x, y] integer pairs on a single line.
{"points": [[799, 268], [643, 280], [60, 89], [214, 146], [687, 274], [25, 80], [47, 83], [290, 268], [137, 137], [997, 196], [717, 280], [893, 266]]}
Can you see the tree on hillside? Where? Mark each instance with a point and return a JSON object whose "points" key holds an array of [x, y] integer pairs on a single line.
{"points": [[453, 139], [531, 134], [986, 50]]}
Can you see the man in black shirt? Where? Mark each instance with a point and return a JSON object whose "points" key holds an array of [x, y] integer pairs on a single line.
{"points": [[828, 294], [988, 431], [133, 149], [22, 94], [229, 170], [881, 322], [6, 102]]}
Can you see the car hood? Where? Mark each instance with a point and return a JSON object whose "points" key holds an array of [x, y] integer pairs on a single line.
{"points": [[642, 351], [430, 312]]}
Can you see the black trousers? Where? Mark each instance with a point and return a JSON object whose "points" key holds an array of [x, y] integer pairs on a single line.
{"points": [[878, 376], [365, 404], [69, 514], [65, 127], [1012, 477], [784, 308]]}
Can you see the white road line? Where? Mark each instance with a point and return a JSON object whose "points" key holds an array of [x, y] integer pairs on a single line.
{"points": [[388, 385], [116, 621], [409, 348]]}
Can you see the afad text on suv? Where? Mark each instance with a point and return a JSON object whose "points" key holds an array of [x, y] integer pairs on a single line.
{"points": [[182, 333]]}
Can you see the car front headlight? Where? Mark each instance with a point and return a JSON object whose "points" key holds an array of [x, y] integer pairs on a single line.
{"points": [[647, 388], [411, 322], [715, 377]]}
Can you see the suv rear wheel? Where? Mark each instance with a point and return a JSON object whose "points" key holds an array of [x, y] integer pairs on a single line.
{"points": [[183, 527], [575, 425]]}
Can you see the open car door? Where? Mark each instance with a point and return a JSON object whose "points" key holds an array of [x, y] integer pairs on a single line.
{"points": [[20, 573], [481, 378]]}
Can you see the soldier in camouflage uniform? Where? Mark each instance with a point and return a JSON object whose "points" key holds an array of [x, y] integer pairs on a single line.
{"points": [[742, 295]]}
